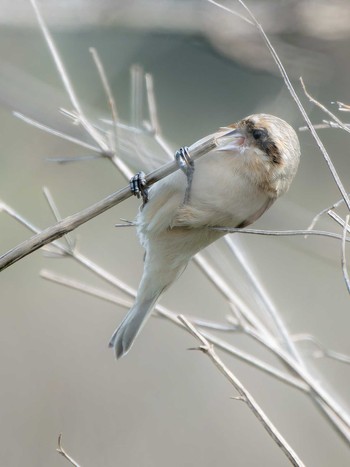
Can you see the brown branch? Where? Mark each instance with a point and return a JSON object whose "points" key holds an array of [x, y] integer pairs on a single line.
{"points": [[198, 149], [244, 395]]}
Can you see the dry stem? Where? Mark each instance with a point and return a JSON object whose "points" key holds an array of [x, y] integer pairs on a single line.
{"points": [[244, 395], [70, 223], [63, 453]]}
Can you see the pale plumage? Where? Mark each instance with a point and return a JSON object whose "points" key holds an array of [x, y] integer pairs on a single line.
{"points": [[232, 187]]}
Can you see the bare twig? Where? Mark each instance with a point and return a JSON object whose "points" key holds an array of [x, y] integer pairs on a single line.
{"points": [[337, 219], [322, 126], [106, 85], [152, 107], [324, 211], [322, 351], [114, 140], [343, 255], [57, 215], [343, 107], [136, 95], [223, 7], [63, 453], [283, 233], [269, 306], [98, 138], [339, 123], [244, 395], [54, 132], [88, 289]]}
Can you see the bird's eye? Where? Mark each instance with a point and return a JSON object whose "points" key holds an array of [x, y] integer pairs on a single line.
{"points": [[259, 134]]}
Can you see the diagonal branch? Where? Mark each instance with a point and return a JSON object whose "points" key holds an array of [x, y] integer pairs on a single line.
{"points": [[343, 255], [67, 82], [197, 150], [244, 395], [63, 453]]}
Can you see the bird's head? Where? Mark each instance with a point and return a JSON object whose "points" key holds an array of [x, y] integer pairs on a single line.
{"points": [[267, 147]]}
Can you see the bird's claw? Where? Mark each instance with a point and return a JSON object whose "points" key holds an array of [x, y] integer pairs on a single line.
{"points": [[186, 164], [138, 186]]}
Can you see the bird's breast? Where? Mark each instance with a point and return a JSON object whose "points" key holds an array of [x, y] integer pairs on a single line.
{"points": [[225, 192]]}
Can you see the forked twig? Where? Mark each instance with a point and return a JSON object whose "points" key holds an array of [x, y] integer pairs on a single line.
{"points": [[244, 395], [324, 211], [322, 350], [63, 453], [339, 123]]}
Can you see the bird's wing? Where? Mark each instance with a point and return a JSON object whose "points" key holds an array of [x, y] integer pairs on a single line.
{"points": [[189, 217]]}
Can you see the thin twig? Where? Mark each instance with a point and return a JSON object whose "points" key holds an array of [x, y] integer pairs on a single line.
{"points": [[114, 140], [136, 95], [324, 211], [244, 395], [337, 219], [106, 86], [63, 453], [270, 308], [66, 80], [152, 107], [57, 215], [322, 351], [54, 132], [223, 7], [282, 233], [227, 291], [343, 107], [325, 125], [343, 255], [87, 289], [324, 109]]}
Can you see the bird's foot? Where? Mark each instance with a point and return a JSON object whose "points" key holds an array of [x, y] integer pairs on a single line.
{"points": [[186, 164], [138, 186]]}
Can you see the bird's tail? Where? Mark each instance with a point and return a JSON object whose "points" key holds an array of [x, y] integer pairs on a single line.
{"points": [[125, 334]]}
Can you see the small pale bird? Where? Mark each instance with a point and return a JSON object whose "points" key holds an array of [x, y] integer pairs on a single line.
{"points": [[232, 186]]}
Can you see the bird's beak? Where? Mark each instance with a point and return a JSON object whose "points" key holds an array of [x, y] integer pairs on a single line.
{"points": [[230, 139]]}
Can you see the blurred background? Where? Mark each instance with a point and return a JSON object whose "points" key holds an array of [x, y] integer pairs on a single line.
{"points": [[163, 405]]}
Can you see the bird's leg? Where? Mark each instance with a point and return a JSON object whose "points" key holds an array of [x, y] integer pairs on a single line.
{"points": [[138, 186], [186, 164]]}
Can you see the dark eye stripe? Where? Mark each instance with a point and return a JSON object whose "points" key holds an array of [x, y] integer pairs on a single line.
{"points": [[259, 133]]}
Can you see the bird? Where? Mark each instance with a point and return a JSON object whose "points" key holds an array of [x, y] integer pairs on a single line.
{"points": [[253, 164]]}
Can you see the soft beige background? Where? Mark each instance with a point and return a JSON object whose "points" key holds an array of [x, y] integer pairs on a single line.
{"points": [[161, 405]]}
